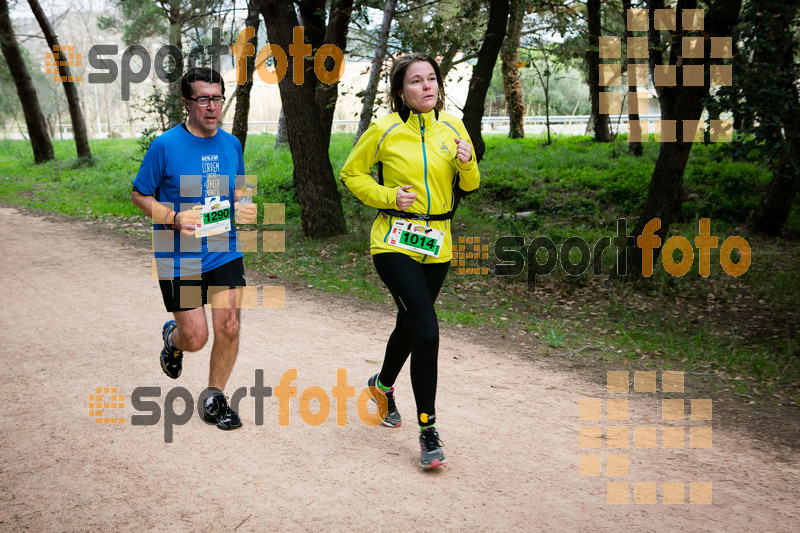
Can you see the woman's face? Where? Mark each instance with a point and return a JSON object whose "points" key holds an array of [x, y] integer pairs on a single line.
{"points": [[420, 88]]}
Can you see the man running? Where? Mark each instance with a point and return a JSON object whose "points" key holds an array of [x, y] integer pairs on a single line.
{"points": [[189, 183]]}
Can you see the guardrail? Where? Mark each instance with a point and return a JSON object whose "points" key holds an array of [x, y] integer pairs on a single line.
{"points": [[564, 124]]}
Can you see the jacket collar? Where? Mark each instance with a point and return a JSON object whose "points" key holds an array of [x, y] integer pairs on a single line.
{"points": [[413, 119]]}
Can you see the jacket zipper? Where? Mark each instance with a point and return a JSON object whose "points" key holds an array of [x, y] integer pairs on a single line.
{"points": [[425, 167]]}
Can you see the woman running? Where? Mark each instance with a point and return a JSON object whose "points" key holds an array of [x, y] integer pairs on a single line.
{"points": [[425, 163]]}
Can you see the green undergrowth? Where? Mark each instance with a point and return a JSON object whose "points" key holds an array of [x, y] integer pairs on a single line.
{"points": [[738, 333]]}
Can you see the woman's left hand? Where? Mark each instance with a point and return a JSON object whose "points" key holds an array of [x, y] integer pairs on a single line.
{"points": [[463, 150]]}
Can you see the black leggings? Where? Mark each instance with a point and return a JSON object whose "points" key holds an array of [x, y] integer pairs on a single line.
{"points": [[414, 287]]}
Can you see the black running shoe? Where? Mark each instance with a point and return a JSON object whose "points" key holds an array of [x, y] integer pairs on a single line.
{"points": [[219, 412], [171, 357], [392, 418], [430, 448]]}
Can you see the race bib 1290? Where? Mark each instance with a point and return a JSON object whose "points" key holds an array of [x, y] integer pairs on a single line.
{"points": [[215, 217]]}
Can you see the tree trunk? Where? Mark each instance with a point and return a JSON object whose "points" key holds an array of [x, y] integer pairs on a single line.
{"points": [[773, 210], [174, 103], [547, 108], [679, 103], [600, 122], [67, 80], [281, 137], [515, 104], [447, 58], [375, 70], [242, 111], [774, 54], [482, 73], [633, 147], [37, 128], [336, 34], [320, 203]]}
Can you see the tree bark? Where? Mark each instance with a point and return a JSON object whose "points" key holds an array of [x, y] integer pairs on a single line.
{"points": [[774, 57], [515, 104], [37, 128], [242, 110], [281, 137], [482, 73], [633, 147], [174, 105], [679, 103], [772, 212], [600, 122], [447, 58], [73, 101], [375, 70], [334, 33], [320, 203]]}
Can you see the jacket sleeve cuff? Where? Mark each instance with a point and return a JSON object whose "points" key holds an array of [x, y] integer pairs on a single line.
{"points": [[469, 165], [392, 197]]}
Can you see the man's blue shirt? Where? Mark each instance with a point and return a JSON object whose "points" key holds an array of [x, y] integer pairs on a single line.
{"points": [[182, 170]]}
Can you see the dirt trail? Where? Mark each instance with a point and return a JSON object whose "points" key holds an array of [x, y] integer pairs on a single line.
{"points": [[82, 312]]}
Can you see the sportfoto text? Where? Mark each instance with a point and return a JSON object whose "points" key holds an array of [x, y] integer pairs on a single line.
{"points": [[171, 55], [510, 251], [285, 391]]}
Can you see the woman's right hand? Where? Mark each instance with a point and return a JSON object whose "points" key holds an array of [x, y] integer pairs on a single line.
{"points": [[405, 198]]}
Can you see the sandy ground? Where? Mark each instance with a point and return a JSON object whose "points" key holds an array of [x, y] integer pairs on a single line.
{"points": [[82, 312]]}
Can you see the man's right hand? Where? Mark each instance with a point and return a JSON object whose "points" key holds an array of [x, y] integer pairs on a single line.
{"points": [[186, 221]]}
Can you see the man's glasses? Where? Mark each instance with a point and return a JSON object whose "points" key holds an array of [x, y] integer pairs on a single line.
{"points": [[203, 101]]}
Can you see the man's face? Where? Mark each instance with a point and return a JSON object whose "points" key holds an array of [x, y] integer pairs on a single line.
{"points": [[204, 119]]}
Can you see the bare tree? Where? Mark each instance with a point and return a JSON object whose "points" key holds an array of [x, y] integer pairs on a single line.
{"points": [[482, 73], [307, 125], [601, 123], [634, 147], [242, 95], [37, 128], [681, 105], [67, 81], [375, 70], [515, 103]]}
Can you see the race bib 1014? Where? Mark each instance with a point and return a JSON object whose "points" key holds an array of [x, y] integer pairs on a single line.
{"points": [[416, 238]]}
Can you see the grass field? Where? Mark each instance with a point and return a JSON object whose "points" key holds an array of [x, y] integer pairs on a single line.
{"points": [[742, 333]]}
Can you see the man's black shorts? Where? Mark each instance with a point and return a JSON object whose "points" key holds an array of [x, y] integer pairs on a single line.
{"points": [[179, 294]]}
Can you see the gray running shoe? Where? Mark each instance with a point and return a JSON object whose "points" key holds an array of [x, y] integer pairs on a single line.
{"points": [[392, 418], [430, 446]]}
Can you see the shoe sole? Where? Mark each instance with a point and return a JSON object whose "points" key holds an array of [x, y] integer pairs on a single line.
{"points": [[163, 360], [434, 464], [213, 422], [373, 400]]}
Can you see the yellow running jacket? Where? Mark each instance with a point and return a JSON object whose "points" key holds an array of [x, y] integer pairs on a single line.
{"points": [[417, 150]]}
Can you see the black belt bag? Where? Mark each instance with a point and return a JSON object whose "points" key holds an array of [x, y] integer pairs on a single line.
{"points": [[418, 216]]}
